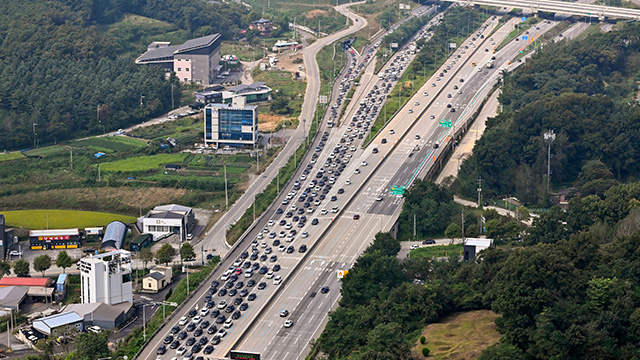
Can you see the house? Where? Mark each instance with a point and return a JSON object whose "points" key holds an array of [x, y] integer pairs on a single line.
{"points": [[262, 27], [157, 279], [252, 93], [472, 246], [141, 242], [194, 61], [166, 220], [47, 324]]}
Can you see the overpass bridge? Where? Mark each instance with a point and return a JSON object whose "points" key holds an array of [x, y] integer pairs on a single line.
{"points": [[552, 6]]}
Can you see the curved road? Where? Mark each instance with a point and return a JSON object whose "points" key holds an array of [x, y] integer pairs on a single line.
{"points": [[215, 238]]}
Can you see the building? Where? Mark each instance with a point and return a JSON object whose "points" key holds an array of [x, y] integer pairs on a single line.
{"points": [[7, 239], [285, 45], [141, 242], [262, 26], [61, 286], [114, 236], [194, 61], [38, 288], [12, 297], [98, 314], [94, 233], [253, 93], [48, 324], [157, 279], [168, 219], [54, 239], [234, 124], [472, 246], [106, 278]]}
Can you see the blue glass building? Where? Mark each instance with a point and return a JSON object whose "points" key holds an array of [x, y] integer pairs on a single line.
{"points": [[232, 124]]}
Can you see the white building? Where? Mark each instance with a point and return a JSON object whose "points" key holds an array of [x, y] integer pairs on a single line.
{"points": [[168, 219], [106, 278], [472, 246]]}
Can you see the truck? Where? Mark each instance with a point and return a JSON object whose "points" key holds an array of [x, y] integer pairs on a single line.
{"points": [[412, 50], [490, 64]]}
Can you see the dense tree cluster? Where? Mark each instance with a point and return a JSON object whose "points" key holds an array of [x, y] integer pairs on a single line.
{"points": [[62, 75], [582, 91]]}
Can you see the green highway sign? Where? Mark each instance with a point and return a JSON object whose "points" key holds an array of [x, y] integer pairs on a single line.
{"points": [[243, 355], [397, 190], [445, 123]]}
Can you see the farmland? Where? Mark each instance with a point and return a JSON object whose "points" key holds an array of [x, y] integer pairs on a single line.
{"points": [[61, 219]]}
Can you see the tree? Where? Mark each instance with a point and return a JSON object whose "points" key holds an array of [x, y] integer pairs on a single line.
{"points": [[89, 346], [522, 213], [165, 254], [187, 253], [21, 267], [453, 231], [42, 263], [146, 256], [63, 261], [5, 268], [425, 351]]}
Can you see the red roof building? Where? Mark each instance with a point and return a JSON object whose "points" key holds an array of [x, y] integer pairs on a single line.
{"points": [[25, 281]]}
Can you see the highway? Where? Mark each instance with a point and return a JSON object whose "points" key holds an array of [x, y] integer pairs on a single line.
{"points": [[347, 238], [215, 238], [581, 9]]}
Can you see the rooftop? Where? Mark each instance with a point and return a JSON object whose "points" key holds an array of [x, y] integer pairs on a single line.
{"points": [[173, 207], [57, 320], [165, 52], [54, 232], [261, 21], [24, 281], [156, 275], [255, 86]]}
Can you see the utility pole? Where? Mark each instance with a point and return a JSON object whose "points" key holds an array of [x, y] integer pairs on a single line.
{"points": [[71, 157], [278, 182], [414, 226], [462, 225], [35, 135], [254, 208], [549, 137], [172, 102], [226, 193], [98, 172], [479, 191]]}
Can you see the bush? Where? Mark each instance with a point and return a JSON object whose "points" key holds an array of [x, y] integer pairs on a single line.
{"points": [[423, 340], [425, 351]]}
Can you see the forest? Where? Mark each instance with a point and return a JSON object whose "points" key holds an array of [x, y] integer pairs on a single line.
{"points": [[585, 92], [62, 75]]}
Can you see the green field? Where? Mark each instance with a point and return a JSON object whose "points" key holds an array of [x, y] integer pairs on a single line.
{"points": [[430, 252], [111, 143], [11, 156], [143, 163], [61, 219]]}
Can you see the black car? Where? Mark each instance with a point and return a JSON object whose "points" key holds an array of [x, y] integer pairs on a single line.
{"points": [[191, 341], [192, 313], [341, 191], [243, 307], [236, 315], [208, 350], [279, 211], [273, 258], [276, 268], [255, 266], [252, 296], [196, 348], [161, 350], [303, 248], [204, 324], [229, 284], [288, 214], [175, 344], [324, 290], [182, 335], [290, 249], [221, 319], [314, 222], [233, 277], [210, 304], [215, 283], [191, 327], [262, 285], [334, 198], [215, 313], [246, 265], [428, 242], [237, 301], [203, 340], [175, 329], [251, 283], [212, 329], [222, 292], [263, 270], [384, 141], [232, 292], [198, 332], [215, 340], [263, 257], [239, 285], [168, 339], [254, 256], [230, 309]]}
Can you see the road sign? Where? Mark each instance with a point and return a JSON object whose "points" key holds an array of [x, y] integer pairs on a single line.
{"points": [[397, 190], [322, 99], [445, 123], [524, 18], [394, 45], [524, 37], [243, 355], [342, 273], [453, 45]]}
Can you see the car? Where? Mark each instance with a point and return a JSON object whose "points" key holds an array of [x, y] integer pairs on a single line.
{"points": [[436, 145], [222, 304], [383, 141], [284, 313], [413, 247], [251, 297], [356, 217], [191, 341], [189, 356], [215, 340], [379, 198], [417, 137], [192, 313], [288, 323], [357, 171], [198, 332], [228, 323], [262, 286], [276, 267], [303, 248], [273, 258], [168, 339], [208, 349], [183, 321], [243, 307], [204, 312], [221, 319], [203, 340], [181, 351], [222, 332], [279, 211], [236, 315], [230, 309], [212, 329], [324, 289], [182, 335], [175, 329], [196, 348], [161, 350], [375, 150], [191, 327], [277, 280], [428, 242]]}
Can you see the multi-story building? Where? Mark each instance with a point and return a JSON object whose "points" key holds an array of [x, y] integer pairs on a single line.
{"points": [[234, 124], [106, 278], [195, 61], [170, 219]]}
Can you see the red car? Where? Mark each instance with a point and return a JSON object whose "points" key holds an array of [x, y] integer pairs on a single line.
{"points": [[356, 217], [238, 271]]}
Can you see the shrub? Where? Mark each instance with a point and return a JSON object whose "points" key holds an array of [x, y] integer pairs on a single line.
{"points": [[423, 340], [425, 351]]}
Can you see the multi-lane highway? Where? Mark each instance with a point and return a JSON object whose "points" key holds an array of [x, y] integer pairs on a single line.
{"points": [[581, 9], [333, 210]]}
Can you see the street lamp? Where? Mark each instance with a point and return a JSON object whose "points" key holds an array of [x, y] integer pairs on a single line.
{"points": [[144, 322], [549, 137]]}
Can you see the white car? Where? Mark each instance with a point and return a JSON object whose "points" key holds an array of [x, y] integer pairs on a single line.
{"points": [[271, 223], [413, 247], [182, 322], [379, 198], [277, 280], [228, 323], [222, 304], [334, 209], [288, 323], [364, 163], [238, 262], [196, 319], [204, 311], [348, 182], [224, 277], [222, 332], [181, 350], [324, 212], [270, 274], [282, 248], [357, 171], [306, 234]]}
